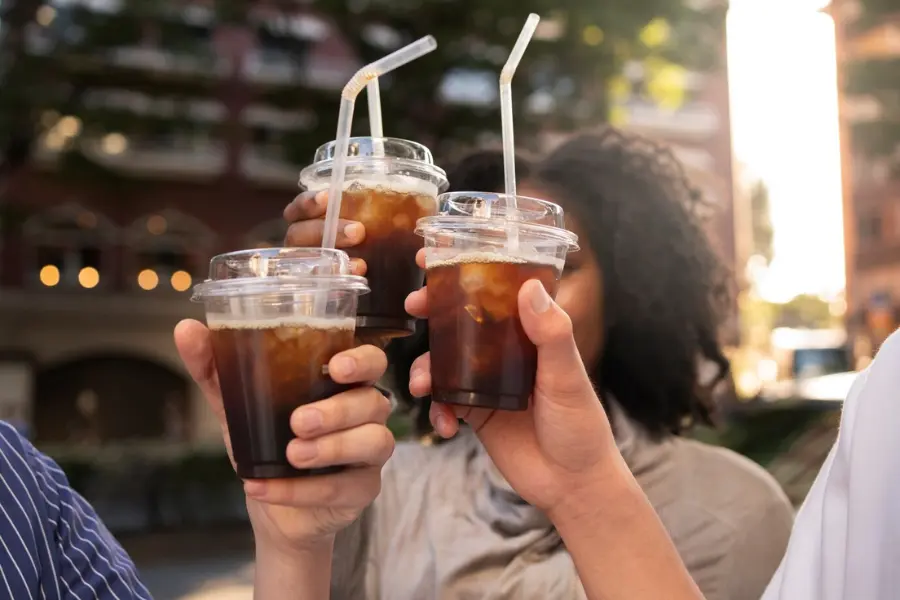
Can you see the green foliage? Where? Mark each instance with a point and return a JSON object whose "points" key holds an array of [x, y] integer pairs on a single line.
{"points": [[761, 221], [804, 311], [571, 66]]}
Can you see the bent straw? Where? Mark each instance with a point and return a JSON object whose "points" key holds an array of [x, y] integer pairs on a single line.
{"points": [[345, 118], [506, 119]]}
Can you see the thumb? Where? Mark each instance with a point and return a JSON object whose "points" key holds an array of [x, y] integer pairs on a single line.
{"points": [[194, 344], [561, 376]]}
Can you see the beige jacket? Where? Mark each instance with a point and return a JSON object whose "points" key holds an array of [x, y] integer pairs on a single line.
{"points": [[447, 526]]}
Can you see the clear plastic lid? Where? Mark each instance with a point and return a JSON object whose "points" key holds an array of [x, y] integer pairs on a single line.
{"points": [[376, 158], [487, 213], [279, 270]]}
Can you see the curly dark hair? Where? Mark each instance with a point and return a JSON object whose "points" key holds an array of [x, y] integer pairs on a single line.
{"points": [[665, 290]]}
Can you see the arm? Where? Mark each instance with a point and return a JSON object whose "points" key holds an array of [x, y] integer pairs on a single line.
{"points": [[304, 575], [620, 548], [72, 551]]}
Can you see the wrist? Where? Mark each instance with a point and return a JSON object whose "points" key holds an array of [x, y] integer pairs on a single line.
{"points": [[602, 493], [281, 552]]}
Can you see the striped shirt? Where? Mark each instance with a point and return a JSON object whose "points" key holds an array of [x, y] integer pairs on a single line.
{"points": [[52, 544]]}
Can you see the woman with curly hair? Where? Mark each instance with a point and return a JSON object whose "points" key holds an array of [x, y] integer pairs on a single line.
{"points": [[646, 295]]}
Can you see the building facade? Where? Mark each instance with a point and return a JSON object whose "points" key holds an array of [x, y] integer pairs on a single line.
{"points": [[96, 270], [871, 182]]}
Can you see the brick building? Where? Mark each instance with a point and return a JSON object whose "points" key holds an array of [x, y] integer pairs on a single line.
{"points": [[871, 188], [95, 273]]}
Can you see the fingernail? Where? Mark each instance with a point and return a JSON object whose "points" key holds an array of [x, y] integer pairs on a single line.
{"points": [[308, 420], [353, 231], [344, 365], [540, 299], [255, 488], [322, 198], [442, 423], [301, 451]]}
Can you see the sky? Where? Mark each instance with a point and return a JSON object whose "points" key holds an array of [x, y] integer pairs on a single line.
{"points": [[785, 130]]}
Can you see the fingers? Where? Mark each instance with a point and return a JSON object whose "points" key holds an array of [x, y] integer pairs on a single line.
{"points": [[308, 205], [363, 364], [349, 489], [420, 376], [417, 303], [561, 375], [370, 444], [192, 339], [347, 410], [444, 420], [358, 267], [309, 233], [420, 258]]}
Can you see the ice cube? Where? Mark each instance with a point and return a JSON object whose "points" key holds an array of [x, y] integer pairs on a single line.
{"points": [[473, 276], [475, 313]]}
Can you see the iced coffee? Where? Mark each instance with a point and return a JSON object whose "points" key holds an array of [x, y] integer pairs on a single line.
{"points": [[389, 185], [480, 354], [277, 317]]}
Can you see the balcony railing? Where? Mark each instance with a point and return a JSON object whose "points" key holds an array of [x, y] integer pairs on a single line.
{"points": [[268, 165], [698, 121], [162, 60], [145, 156]]}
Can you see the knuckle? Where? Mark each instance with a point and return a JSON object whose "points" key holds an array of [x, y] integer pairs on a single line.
{"points": [[388, 444]]}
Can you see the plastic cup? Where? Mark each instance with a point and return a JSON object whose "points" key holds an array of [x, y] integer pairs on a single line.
{"points": [[480, 355], [276, 316], [389, 185]]}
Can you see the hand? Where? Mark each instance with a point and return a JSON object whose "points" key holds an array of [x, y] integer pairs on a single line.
{"points": [[563, 443], [294, 515], [306, 216]]}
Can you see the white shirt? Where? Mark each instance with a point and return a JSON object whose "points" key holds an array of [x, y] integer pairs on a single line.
{"points": [[845, 544]]}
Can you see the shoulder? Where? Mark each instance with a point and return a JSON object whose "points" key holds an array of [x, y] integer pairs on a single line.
{"points": [[741, 485], [741, 519]]}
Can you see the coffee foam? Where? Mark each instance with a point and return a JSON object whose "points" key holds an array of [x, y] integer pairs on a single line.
{"points": [[401, 184], [494, 257], [217, 322]]}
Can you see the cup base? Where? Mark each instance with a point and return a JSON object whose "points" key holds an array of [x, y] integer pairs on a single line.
{"points": [[479, 400], [276, 471], [384, 327]]}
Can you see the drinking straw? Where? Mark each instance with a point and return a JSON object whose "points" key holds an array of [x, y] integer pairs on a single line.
{"points": [[373, 91], [506, 119], [345, 118]]}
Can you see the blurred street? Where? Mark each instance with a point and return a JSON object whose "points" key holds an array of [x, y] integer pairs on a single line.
{"points": [[196, 565]]}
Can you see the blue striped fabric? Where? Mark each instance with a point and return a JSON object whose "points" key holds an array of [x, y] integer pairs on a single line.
{"points": [[52, 544]]}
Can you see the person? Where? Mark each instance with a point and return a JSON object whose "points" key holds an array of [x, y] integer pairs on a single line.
{"points": [[55, 547], [560, 455], [646, 294]]}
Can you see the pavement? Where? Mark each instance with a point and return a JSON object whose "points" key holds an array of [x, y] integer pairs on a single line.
{"points": [[195, 564]]}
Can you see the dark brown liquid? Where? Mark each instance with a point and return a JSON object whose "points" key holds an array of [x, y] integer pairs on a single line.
{"points": [[390, 253], [480, 355], [265, 374]]}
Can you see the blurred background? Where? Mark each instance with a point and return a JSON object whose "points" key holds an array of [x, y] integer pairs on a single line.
{"points": [[140, 137]]}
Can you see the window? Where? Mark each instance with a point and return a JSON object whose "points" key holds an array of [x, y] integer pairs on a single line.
{"points": [[169, 251], [869, 229], [69, 248]]}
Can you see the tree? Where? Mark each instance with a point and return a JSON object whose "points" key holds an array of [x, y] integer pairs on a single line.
{"points": [[761, 221], [565, 82]]}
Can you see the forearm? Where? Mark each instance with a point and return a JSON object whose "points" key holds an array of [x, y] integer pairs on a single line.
{"points": [[351, 550], [620, 548], [302, 575]]}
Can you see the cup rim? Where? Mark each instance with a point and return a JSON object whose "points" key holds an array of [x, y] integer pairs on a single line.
{"points": [[426, 225], [317, 170], [276, 285]]}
